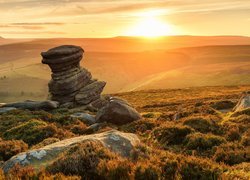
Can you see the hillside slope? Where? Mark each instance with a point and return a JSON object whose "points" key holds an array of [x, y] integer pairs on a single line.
{"points": [[144, 64]]}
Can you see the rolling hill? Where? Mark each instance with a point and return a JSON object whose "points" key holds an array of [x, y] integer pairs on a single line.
{"points": [[170, 62]]}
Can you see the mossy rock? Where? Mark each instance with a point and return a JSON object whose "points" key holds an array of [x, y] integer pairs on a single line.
{"points": [[31, 132]]}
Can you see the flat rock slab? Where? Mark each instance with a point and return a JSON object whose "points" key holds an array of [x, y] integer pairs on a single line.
{"points": [[61, 51], [116, 141], [6, 109], [34, 105]]}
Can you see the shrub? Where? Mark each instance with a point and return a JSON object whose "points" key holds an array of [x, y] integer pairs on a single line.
{"points": [[170, 134], [245, 141], [17, 117], [140, 126], [225, 104], [28, 172], [45, 142], [233, 134], [241, 122], [79, 128], [199, 141], [2, 176], [240, 171], [242, 112], [150, 115], [202, 124], [11, 148], [231, 154], [115, 169], [31, 132], [202, 169], [82, 160], [146, 171]]}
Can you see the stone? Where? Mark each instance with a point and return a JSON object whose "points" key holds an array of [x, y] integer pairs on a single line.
{"points": [[70, 82], [85, 117], [94, 128], [6, 109], [90, 93], [34, 105], [116, 141], [117, 111], [99, 103], [244, 102]]}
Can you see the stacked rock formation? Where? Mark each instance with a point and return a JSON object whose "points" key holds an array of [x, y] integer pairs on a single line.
{"points": [[70, 82]]}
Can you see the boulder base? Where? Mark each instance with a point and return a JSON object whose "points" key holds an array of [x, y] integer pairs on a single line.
{"points": [[116, 141], [117, 111]]}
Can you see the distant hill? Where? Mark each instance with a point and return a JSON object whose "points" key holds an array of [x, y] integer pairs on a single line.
{"points": [[136, 63], [4, 41], [137, 44], [207, 66]]}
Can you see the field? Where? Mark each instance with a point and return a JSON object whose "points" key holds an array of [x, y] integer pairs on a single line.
{"points": [[188, 133]]}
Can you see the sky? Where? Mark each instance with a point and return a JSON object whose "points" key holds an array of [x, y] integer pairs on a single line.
{"points": [[110, 18]]}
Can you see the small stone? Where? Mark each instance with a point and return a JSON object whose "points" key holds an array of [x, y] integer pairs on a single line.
{"points": [[85, 117]]}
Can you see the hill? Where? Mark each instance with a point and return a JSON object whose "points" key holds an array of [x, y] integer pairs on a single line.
{"points": [[170, 62]]}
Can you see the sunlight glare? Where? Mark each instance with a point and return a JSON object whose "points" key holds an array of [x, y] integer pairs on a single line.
{"points": [[150, 25]]}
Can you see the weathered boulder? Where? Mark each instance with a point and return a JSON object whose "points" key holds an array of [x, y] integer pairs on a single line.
{"points": [[244, 102], [34, 105], [90, 93], [70, 83], [85, 117], [116, 141], [117, 111], [6, 109]]}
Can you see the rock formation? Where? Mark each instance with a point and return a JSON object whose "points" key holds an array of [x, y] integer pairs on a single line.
{"points": [[70, 82], [116, 141]]}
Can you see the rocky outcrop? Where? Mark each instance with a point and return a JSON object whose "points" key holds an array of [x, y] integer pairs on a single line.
{"points": [[90, 93], [244, 102], [70, 82], [116, 141], [117, 111], [33, 105]]}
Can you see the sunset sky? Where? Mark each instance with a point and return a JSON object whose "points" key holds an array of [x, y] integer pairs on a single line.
{"points": [[109, 18]]}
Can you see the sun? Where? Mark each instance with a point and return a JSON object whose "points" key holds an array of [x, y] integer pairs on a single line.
{"points": [[150, 26]]}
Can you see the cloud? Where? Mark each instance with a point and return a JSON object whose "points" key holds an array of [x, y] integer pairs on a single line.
{"points": [[31, 26], [32, 32]]}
